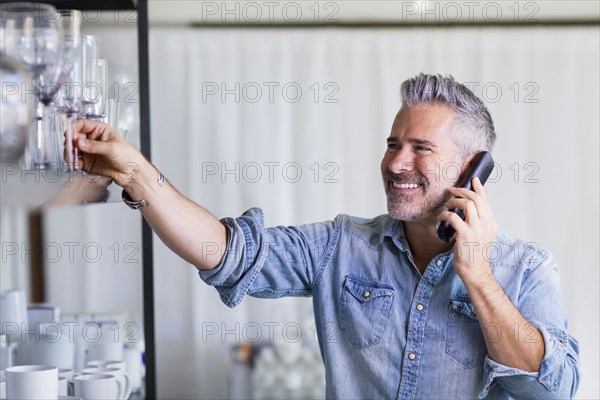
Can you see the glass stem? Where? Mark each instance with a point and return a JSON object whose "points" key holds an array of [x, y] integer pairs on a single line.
{"points": [[71, 151], [38, 143]]}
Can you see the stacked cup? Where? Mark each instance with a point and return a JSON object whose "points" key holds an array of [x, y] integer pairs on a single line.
{"points": [[98, 387], [32, 382], [35, 382]]}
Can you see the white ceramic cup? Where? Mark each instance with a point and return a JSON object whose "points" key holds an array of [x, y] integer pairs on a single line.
{"points": [[128, 365], [32, 382], [120, 374], [63, 386], [69, 375], [66, 373], [108, 350], [132, 356], [13, 312], [98, 387], [53, 346]]}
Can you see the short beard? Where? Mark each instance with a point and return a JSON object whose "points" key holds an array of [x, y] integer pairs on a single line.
{"points": [[399, 207]]}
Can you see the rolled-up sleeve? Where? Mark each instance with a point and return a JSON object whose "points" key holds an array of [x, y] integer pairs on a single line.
{"points": [[541, 304], [269, 262]]}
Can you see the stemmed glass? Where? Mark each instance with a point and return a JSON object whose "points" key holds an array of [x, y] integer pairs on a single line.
{"points": [[69, 101], [95, 80], [32, 33]]}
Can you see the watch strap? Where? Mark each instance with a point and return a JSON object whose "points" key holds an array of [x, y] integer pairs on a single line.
{"points": [[137, 204], [133, 204]]}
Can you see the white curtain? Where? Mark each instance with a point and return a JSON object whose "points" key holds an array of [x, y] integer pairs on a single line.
{"points": [[227, 141]]}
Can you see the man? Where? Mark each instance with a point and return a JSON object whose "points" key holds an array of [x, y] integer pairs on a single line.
{"points": [[399, 312]]}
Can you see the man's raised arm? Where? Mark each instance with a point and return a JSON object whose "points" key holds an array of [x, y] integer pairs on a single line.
{"points": [[184, 226]]}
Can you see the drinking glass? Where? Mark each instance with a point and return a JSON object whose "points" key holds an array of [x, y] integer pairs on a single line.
{"points": [[32, 33], [95, 92], [68, 104], [89, 74]]}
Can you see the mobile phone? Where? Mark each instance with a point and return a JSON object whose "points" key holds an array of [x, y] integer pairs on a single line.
{"points": [[481, 166]]}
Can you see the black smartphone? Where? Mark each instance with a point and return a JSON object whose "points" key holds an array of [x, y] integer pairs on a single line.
{"points": [[481, 166]]}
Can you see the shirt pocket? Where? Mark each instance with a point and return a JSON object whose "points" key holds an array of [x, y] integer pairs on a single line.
{"points": [[364, 310], [464, 340]]}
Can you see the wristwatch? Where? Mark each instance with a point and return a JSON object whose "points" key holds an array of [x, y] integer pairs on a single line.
{"points": [[137, 204], [134, 205]]}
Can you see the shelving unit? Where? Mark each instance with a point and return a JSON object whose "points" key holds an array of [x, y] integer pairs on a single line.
{"points": [[36, 190]]}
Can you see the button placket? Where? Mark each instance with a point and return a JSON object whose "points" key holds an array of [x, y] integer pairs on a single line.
{"points": [[416, 331]]}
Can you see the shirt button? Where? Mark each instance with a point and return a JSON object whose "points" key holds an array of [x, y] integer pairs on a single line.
{"points": [[366, 294], [438, 262], [420, 307], [412, 356]]}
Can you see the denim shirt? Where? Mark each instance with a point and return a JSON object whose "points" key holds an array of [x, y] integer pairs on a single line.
{"points": [[387, 332]]}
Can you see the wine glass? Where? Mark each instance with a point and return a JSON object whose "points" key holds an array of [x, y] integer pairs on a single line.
{"points": [[95, 91], [89, 72], [69, 101], [32, 33]]}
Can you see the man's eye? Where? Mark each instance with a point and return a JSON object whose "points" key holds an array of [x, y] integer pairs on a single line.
{"points": [[421, 148], [393, 146]]}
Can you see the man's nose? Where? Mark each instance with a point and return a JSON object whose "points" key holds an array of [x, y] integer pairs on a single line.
{"points": [[402, 162]]}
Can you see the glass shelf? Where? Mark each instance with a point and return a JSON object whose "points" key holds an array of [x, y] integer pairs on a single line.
{"points": [[52, 187]]}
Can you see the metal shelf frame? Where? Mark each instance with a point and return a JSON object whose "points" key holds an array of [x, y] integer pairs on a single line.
{"points": [[141, 6]]}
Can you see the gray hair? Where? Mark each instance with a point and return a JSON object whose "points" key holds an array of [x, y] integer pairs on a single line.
{"points": [[473, 126]]}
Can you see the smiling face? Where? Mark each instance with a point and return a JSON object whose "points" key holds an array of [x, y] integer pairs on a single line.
{"points": [[421, 162]]}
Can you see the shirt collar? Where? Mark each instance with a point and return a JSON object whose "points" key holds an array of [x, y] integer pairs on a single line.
{"points": [[395, 230]]}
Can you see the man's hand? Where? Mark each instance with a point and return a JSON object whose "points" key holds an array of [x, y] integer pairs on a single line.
{"points": [[492, 306], [103, 151], [475, 235]]}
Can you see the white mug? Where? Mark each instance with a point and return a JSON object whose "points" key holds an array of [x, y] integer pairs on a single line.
{"points": [[120, 374], [98, 387], [135, 375], [13, 312], [108, 350], [132, 356], [54, 345], [32, 382], [66, 373], [101, 341], [63, 386], [80, 346]]}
